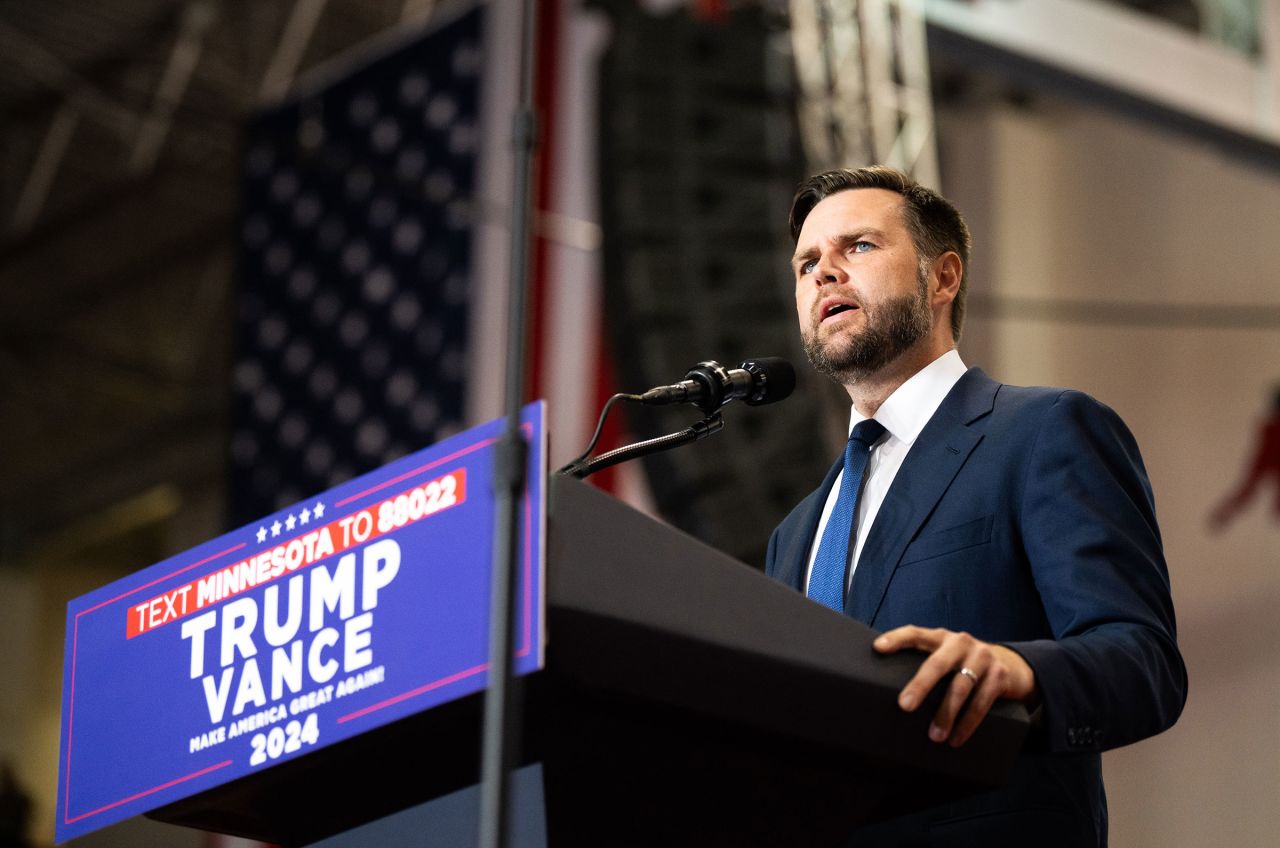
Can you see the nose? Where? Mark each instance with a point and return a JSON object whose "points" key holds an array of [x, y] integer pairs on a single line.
{"points": [[829, 271]]}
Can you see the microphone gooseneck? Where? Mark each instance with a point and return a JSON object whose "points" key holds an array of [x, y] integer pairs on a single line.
{"points": [[707, 385]]}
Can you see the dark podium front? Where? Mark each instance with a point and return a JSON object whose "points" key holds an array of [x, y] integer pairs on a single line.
{"points": [[687, 700]]}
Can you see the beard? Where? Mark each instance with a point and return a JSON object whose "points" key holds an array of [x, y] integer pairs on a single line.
{"points": [[891, 328]]}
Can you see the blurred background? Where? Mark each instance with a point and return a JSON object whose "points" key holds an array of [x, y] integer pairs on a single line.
{"points": [[249, 249]]}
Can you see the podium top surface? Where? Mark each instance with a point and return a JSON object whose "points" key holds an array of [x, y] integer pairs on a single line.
{"points": [[640, 608]]}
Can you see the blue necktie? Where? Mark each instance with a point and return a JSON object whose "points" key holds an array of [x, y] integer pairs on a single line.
{"points": [[827, 582]]}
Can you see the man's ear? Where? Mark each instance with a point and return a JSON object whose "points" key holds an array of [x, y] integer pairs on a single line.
{"points": [[947, 271]]}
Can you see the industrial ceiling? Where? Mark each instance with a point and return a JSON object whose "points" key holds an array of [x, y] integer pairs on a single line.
{"points": [[120, 126]]}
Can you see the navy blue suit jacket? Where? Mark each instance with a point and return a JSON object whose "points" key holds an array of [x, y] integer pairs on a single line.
{"points": [[1023, 516]]}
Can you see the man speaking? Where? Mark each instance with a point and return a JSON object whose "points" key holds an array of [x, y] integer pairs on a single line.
{"points": [[1009, 533]]}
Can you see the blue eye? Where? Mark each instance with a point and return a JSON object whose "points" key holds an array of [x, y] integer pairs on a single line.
{"points": [[807, 267], [862, 246]]}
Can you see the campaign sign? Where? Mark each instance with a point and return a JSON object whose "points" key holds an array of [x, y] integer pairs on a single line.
{"points": [[350, 610]]}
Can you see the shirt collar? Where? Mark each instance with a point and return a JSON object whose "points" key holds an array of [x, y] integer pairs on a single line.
{"points": [[905, 412]]}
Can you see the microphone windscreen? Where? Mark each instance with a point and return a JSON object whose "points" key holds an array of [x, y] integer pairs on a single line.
{"points": [[774, 375]]}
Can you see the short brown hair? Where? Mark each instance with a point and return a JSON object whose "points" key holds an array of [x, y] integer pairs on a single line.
{"points": [[935, 225]]}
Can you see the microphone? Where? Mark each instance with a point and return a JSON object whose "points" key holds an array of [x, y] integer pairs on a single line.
{"points": [[709, 385]]}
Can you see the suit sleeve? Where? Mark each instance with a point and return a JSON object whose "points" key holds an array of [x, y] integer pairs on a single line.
{"points": [[771, 555], [1112, 674]]}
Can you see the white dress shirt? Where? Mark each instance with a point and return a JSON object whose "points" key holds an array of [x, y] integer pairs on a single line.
{"points": [[903, 414]]}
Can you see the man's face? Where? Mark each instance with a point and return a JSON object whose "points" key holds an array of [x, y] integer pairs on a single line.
{"points": [[861, 291]]}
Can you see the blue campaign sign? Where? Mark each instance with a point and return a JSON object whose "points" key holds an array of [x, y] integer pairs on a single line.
{"points": [[353, 609]]}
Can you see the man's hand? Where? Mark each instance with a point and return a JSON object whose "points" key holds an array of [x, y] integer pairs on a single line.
{"points": [[989, 672]]}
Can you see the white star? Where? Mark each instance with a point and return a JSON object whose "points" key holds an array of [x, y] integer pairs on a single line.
{"points": [[290, 521], [262, 535], [304, 516], [275, 529], [319, 509]]}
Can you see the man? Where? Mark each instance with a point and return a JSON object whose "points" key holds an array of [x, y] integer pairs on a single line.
{"points": [[1007, 532]]}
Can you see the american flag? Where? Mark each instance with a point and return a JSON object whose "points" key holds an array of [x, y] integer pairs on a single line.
{"points": [[355, 262]]}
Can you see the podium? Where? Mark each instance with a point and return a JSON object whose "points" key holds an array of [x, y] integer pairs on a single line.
{"points": [[686, 700]]}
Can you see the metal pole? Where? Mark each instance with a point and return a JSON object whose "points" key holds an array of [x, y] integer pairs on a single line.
{"points": [[503, 704]]}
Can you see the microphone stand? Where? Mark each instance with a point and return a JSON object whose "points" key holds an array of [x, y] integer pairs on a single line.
{"points": [[708, 426], [503, 703]]}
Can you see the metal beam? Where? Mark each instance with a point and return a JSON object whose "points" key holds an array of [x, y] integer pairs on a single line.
{"points": [[811, 50], [284, 63], [45, 168], [1131, 53], [915, 149], [57, 75], [863, 75], [197, 18]]}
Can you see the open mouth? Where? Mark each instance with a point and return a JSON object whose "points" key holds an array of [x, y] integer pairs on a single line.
{"points": [[833, 309]]}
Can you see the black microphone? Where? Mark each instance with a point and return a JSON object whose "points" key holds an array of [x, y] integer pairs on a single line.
{"points": [[709, 385]]}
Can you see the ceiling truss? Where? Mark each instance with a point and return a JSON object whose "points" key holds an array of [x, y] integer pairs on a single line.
{"points": [[864, 90], [119, 171]]}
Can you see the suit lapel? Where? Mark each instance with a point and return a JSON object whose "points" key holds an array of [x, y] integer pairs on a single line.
{"points": [[939, 451], [793, 559]]}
